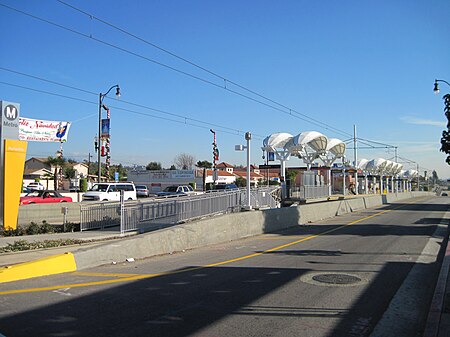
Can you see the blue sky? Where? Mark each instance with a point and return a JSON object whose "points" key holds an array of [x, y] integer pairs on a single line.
{"points": [[366, 63]]}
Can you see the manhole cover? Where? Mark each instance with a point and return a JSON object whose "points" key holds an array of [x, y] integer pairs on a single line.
{"points": [[336, 278]]}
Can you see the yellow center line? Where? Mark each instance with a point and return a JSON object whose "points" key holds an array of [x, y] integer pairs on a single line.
{"points": [[82, 273], [134, 277]]}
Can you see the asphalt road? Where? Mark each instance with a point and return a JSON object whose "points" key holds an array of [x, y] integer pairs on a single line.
{"points": [[371, 272]]}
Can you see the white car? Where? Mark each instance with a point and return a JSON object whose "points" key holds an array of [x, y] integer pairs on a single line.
{"points": [[35, 186], [110, 192], [175, 190]]}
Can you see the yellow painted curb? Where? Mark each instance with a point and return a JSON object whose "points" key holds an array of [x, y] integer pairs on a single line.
{"points": [[50, 265]]}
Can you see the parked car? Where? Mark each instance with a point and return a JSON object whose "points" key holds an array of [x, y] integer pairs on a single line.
{"points": [[221, 187], [110, 192], [35, 186], [174, 190], [142, 191], [43, 197]]}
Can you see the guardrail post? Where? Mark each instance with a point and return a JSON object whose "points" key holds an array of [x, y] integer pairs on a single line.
{"points": [[122, 210]]}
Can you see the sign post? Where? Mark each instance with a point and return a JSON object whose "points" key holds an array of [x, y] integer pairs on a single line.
{"points": [[12, 161]]}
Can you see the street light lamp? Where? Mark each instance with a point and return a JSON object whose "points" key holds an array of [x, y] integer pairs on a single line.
{"points": [[436, 86], [100, 106], [248, 138]]}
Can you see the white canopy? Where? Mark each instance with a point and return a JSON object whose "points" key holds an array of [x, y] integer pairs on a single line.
{"points": [[336, 147], [312, 139], [276, 141]]}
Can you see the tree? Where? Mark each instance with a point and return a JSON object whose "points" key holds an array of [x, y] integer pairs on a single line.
{"points": [[292, 175], [119, 169], [69, 172], [445, 140], [240, 182], [205, 165], [153, 166], [47, 176], [58, 163], [172, 167], [184, 161], [434, 177]]}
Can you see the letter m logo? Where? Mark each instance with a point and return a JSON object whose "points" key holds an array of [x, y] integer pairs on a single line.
{"points": [[10, 112]]}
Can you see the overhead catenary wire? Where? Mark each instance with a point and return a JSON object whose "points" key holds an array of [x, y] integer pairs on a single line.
{"points": [[196, 65], [124, 101], [205, 126], [296, 114], [361, 140]]}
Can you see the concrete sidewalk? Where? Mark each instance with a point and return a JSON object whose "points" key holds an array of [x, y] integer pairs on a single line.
{"points": [[438, 322], [90, 238]]}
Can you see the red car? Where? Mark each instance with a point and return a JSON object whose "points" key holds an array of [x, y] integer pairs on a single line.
{"points": [[41, 197]]}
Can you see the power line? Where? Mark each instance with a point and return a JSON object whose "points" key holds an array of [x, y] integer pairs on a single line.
{"points": [[126, 102], [221, 128], [224, 79], [291, 112]]}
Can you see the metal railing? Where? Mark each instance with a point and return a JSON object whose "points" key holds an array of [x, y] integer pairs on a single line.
{"points": [[158, 213], [99, 215], [305, 192]]}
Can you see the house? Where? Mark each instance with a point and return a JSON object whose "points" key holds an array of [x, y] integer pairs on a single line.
{"points": [[43, 174], [223, 177], [36, 168], [255, 176], [225, 167]]}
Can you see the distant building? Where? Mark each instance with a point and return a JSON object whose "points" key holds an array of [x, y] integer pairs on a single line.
{"points": [[36, 168]]}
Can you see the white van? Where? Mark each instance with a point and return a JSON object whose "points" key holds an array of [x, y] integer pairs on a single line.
{"points": [[110, 192]]}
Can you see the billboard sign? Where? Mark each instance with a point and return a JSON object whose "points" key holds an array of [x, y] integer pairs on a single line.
{"points": [[36, 130]]}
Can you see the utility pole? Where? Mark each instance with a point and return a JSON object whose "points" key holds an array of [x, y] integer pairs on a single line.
{"points": [[355, 155], [89, 162]]}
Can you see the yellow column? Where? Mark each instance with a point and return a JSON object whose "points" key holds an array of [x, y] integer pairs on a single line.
{"points": [[15, 153]]}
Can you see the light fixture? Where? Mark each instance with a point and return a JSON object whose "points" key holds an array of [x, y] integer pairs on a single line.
{"points": [[436, 87], [117, 92]]}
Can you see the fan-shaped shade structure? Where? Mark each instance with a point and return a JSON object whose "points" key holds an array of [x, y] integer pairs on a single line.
{"points": [[362, 164], [312, 139], [388, 167], [397, 168], [411, 174], [276, 141], [376, 166], [336, 147]]}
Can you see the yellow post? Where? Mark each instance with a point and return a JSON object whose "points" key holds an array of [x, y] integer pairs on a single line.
{"points": [[15, 153]]}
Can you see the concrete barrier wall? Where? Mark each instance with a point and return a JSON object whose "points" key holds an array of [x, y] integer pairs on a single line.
{"points": [[190, 235], [221, 229], [49, 212]]}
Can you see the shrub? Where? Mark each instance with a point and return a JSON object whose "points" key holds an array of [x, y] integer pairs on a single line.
{"points": [[83, 185], [33, 229]]}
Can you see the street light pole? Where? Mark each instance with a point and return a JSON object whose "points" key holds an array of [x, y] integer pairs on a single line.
{"points": [[100, 105], [436, 86], [248, 137]]}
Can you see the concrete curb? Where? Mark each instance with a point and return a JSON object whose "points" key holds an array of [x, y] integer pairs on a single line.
{"points": [[55, 264], [435, 323], [200, 233]]}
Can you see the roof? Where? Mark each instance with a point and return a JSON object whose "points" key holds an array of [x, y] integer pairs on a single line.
{"points": [[40, 171], [220, 173], [253, 175], [224, 165], [75, 164], [43, 160]]}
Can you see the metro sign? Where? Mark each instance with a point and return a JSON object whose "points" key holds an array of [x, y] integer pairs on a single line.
{"points": [[11, 114]]}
